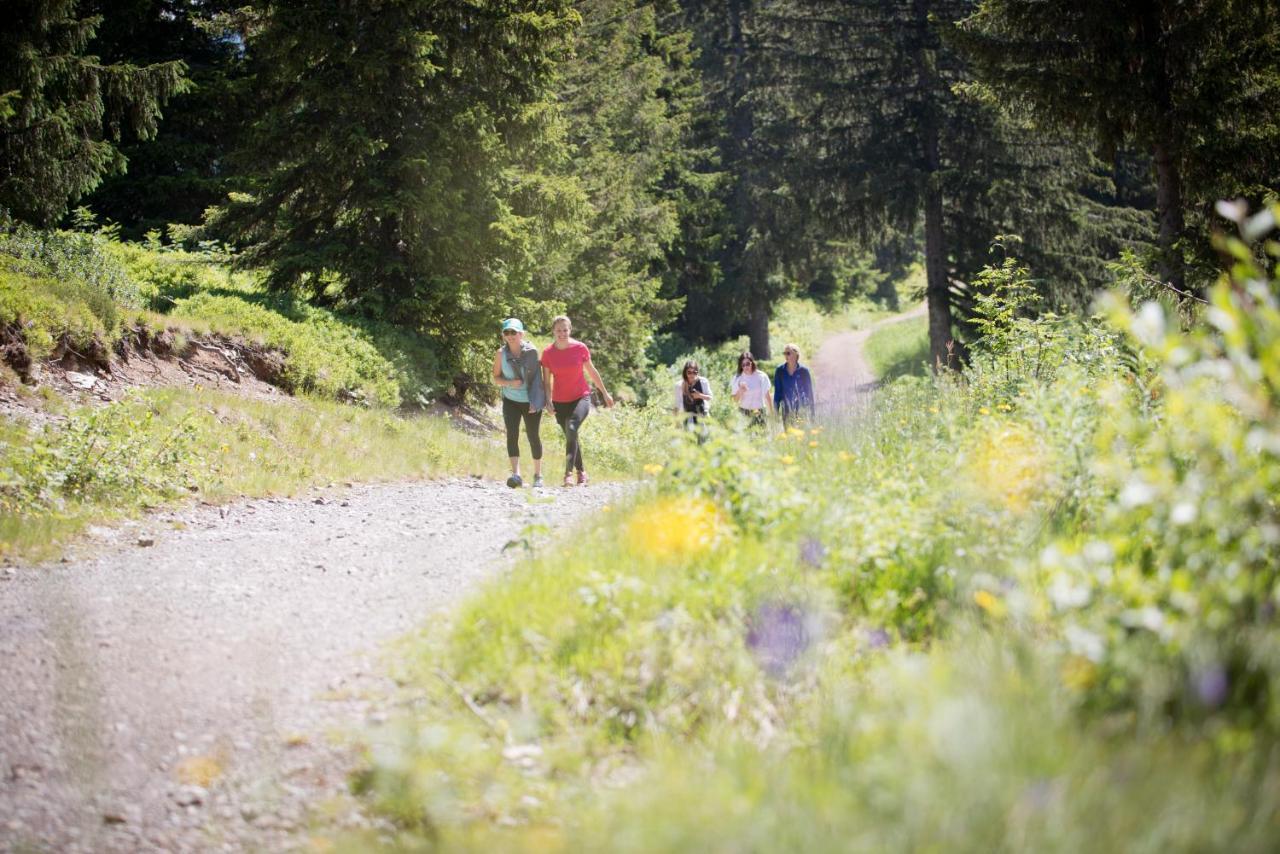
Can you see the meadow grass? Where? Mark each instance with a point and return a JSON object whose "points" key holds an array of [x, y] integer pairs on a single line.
{"points": [[899, 349], [162, 446], [994, 612]]}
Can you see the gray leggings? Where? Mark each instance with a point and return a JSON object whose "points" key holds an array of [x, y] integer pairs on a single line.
{"points": [[569, 416]]}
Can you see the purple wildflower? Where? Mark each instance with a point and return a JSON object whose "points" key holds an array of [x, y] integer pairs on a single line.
{"points": [[777, 634], [812, 552], [1212, 685]]}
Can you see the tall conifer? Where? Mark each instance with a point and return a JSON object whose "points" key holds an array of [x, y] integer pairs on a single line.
{"points": [[64, 111], [1195, 84]]}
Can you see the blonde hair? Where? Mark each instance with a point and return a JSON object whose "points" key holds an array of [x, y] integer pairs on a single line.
{"points": [[786, 347]]}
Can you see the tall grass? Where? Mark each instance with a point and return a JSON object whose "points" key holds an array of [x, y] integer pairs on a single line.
{"points": [[1031, 608]]}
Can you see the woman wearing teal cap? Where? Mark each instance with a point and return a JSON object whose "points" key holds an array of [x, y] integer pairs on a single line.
{"points": [[517, 372]]}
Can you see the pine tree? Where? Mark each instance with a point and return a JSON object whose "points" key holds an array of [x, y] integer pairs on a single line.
{"points": [[175, 176], [892, 137], [64, 111], [629, 96], [397, 160], [1194, 84]]}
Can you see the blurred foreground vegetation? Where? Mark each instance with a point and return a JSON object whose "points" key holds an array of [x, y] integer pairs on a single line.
{"points": [[1029, 607]]}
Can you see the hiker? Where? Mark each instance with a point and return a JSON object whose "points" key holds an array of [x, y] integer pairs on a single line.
{"points": [[517, 371], [566, 362], [692, 395], [750, 389], [793, 388]]}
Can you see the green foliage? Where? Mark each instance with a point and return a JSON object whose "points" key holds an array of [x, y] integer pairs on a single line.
{"points": [[323, 356], [50, 312], [65, 111], [101, 463], [899, 349], [1171, 592], [930, 621], [397, 163], [85, 258], [1173, 80], [186, 168], [98, 456]]}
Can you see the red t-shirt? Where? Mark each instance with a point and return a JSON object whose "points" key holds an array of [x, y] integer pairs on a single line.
{"points": [[566, 366]]}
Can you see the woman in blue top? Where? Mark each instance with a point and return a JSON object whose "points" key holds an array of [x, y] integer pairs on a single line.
{"points": [[517, 371], [793, 388]]}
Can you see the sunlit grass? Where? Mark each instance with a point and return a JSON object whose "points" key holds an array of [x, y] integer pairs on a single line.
{"points": [[899, 349], [231, 447]]}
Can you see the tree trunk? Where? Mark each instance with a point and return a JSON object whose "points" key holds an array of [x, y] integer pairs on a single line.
{"points": [[1169, 212], [941, 344], [758, 329]]}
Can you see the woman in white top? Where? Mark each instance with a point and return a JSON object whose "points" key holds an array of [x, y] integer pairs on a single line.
{"points": [[751, 390]]}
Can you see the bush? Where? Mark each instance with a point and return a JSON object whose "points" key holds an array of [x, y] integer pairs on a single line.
{"points": [[323, 355], [48, 312]]}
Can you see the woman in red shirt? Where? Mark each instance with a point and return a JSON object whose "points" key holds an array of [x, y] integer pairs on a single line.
{"points": [[564, 362]]}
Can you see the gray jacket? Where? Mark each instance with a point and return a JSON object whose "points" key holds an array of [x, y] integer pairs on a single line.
{"points": [[529, 369]]}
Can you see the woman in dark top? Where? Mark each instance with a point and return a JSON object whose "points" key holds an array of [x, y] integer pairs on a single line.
{"points": [[693, 394], [793, 388]]}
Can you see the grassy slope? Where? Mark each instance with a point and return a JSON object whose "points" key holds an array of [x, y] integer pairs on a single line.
{"points": [[912, 628], [899, 349]]}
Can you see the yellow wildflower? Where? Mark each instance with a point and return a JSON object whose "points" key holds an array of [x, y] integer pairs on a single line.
{"points": [[675, 528], [990, 603], [652, 468], [982, 410], [787, 459], [1078, 673], [813, 444]]}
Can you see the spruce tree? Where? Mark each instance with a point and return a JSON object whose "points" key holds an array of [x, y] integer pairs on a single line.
{"points": [[175, 176], [397, 161], [891, 137], [629, 96], [1194, 84], [64, 111]]}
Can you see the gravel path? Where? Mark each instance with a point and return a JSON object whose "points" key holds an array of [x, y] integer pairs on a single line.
{"points": [[179, 696], [843, 376]]}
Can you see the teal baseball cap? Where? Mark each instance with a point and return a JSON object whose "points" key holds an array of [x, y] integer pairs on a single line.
{"points": [[512, 323]]}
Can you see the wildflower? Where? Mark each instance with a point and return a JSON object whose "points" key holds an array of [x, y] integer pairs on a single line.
{"points": [[813, 444], [934, 410], [676, 528], [990, 603], [777, 633], [606, 509], [982, 410], [845, 456], [795, 431], [652, 468], [812, 551], [787, 459], [1212, 685], [1078, 673], [815, 431]]}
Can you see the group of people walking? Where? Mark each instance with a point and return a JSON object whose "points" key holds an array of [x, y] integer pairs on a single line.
{"points": [[563, 375], [792, 388], [528, 380]]}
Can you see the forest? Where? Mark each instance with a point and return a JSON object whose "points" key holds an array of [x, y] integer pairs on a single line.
{"points": [[1023, 596]]}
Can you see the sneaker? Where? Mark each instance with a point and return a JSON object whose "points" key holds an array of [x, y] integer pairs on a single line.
{"points": [[568, 480], [514, 481], [582, 478], [537, 481]]}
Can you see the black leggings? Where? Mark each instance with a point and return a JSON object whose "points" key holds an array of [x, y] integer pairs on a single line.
{"points": [[512, 412], [569, 416]]}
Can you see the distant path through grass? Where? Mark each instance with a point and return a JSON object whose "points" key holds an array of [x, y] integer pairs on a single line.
{"points": [[842, 373]]}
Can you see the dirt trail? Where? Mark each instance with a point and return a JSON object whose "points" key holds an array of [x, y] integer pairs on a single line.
{"points": [[178, 696], [841, 372]]}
